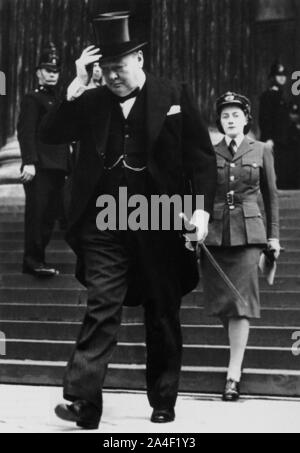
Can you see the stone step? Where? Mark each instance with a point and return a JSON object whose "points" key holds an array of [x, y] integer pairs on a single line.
{"points": [[61, 245], [16, 206], [193, 355], [7, 227], [270, 298], [288, 218], [280, 337], [283, 212], [9, 223], [60, 256], [289, 233], [36, 296], [280, 317], [132, 377], [15, 239], [290, 243], [16, 268], [18, 245], [28, 282], [67, 256], [18, 235], [286, 234]]}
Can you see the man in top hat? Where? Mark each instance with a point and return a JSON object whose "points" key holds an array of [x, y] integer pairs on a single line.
{"points": [[274, 121], [146, 135], [44, 167]]}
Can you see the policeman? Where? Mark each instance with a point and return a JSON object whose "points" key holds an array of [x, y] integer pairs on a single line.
{"points": [[274, 121], [44, 167], [294, 146]]}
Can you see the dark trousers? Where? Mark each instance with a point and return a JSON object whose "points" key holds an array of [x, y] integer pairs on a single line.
{"points": [[109, 257], [42, 206]]}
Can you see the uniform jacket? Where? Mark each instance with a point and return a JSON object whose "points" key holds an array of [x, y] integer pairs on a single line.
{"points": [[240, 180], [33, 107], [274, 116], [178, 147]]}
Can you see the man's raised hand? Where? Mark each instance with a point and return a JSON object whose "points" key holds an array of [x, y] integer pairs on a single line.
{"points": [[89, 55]]}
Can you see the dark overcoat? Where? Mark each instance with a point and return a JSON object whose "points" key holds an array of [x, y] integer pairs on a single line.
{"points": [[274, 116], [34, 106], [180, 156]]}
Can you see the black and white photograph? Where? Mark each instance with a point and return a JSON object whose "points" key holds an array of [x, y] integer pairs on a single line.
{"points": [[149, 219]]}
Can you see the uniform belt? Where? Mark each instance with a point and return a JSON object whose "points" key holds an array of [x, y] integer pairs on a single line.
{"points": [[231, 198]]}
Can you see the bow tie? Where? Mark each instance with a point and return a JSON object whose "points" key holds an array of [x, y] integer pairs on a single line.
{"points": [[122, 99]]}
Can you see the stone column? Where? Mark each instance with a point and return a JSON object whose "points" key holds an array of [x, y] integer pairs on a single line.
{"points": [[10, 162]]}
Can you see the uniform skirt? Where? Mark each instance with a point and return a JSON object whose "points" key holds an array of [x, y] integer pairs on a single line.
{"points": [[240, 264]]}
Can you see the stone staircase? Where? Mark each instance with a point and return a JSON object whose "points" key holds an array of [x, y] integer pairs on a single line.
{"points": [[41, 320]]}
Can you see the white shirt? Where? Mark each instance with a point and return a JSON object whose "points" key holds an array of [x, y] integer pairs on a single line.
{"points": [[76, 89], [127, 105], [238, 140]]}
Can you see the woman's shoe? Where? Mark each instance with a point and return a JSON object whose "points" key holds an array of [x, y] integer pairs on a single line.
{"points": [[231, 391]]}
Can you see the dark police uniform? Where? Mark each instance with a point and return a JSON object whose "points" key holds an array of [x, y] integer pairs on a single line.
{"points": [[44, 191], [294, 147], [274, 123]]}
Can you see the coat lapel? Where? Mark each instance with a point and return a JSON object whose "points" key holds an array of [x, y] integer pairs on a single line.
{"points": [[222, 149], [158, 103], [101, 115]]}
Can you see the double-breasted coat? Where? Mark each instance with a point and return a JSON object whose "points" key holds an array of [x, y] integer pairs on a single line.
{"points": [[44, 193], [34, 107], [178, 147]]}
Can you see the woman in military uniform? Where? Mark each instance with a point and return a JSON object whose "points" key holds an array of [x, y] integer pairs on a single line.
{"points": [[237, 233]]}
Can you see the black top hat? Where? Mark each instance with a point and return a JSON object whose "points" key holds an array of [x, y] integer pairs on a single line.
{"points": [[231, 98], [49, 58], [277, 69], [112, 35]]}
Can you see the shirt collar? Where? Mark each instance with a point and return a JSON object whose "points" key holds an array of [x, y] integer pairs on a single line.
{"points": [[238, 140]]}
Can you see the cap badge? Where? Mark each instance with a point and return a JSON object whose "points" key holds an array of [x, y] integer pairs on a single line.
{"points": [[229, 98]]}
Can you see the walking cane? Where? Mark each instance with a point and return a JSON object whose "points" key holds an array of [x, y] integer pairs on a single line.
{"points": [[223, 275], [214, 263]]}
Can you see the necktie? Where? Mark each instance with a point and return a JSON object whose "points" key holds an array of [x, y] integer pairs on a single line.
{"points": [[122, 99], [232, 147]]}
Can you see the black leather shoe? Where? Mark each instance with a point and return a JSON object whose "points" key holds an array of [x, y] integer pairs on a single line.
{"points": [[41, 270], [232, 391], [163, 415], [83, 413]]}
